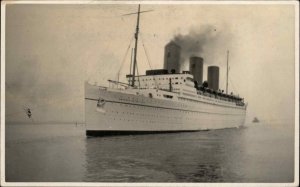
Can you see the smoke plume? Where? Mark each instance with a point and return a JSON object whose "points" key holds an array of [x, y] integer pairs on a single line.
{"points": [[205, 41]]}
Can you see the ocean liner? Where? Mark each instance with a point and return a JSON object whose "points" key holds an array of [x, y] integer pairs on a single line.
{"points": [[163, 100]]}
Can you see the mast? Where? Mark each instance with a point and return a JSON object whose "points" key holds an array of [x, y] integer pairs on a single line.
{"points": [[135, 47], [227, 73], [131, 61]]}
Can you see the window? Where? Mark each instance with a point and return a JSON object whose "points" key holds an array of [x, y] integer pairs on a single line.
{"points": [[168, 96], [189, 78]]}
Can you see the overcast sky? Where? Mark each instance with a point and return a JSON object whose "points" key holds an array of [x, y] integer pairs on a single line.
{"points": [[52, 49]]}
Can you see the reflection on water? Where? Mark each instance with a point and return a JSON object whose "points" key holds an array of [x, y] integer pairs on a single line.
{"points": [[255, 154]]}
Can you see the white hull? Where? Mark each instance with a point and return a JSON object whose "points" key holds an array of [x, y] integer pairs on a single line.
{"points": [[123, 111]]}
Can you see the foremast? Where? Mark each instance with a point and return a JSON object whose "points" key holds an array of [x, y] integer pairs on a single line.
{"points": [[136, 36]]}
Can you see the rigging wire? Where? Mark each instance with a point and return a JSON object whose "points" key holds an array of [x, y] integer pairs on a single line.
{"points": [[28, 110], [121, 16], [148, 60], [124, 59], [146, 52], [232, 85], [224, 78]]}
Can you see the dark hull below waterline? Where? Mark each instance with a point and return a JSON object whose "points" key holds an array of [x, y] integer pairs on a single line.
{"points": [[92, 133]]}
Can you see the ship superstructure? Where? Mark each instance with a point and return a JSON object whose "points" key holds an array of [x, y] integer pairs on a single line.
{"points": [[162, 100]]}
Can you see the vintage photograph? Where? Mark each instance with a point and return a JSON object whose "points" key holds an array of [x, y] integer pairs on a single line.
{"points": [[168, 92]]}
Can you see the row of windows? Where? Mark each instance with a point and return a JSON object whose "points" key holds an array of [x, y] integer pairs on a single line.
{"points": [[211, 102], [160, 109], [218, 100], [176, 105], [161, 78], [206, 98], [163, 84], [157, 122], [159, 118], [191, 91], [145, 121], [217, 97], [142, 101], [111, 112]]}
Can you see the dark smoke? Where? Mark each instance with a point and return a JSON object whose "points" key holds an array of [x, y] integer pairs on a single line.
{"points": [[204, 41]]}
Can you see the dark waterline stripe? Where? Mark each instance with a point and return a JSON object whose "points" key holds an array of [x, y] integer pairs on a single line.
{"points": [[95, 133], [163, 107]]}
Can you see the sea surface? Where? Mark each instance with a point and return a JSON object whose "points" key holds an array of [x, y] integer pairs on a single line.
{"points": [[62, 153]]}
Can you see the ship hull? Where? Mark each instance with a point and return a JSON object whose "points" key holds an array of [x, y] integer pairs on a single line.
{"points": [[121, 113]]}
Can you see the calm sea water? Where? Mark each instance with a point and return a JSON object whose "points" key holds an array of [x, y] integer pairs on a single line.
{"points": [[62, 153]]}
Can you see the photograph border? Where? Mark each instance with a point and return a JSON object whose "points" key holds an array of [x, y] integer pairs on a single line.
{"points": [[296, 148]]}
